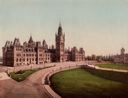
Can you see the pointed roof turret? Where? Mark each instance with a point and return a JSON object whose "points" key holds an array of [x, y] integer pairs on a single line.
{"points": [[16, 42], [45, 44], [122, 50], [60, 29], [30, 40]]}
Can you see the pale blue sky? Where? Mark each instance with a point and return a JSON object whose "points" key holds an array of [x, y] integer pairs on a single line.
{"points": [[100, 26]]}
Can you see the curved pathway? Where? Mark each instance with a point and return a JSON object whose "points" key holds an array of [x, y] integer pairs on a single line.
{"points": [[33, 86]]}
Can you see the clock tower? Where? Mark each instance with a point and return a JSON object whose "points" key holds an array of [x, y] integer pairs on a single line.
{"points": [[60, 44]]}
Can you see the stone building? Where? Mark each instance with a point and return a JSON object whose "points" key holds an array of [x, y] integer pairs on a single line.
{"points": [[60, 45], [31, 52], [122, 58]]}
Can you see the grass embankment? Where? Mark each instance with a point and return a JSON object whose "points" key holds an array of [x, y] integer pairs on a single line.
{"points": [[79, 83], [22, 75], [114, 66], [111, 75]]}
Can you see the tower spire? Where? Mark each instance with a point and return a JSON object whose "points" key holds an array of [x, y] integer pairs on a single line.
{"points": [[30, 39], [122, 51], [60, 29]]}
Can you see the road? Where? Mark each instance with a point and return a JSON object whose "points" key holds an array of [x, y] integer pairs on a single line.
{"points": [[33, 87]]}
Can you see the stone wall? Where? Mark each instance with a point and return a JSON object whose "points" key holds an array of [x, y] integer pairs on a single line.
{"points": [[46, 79]]}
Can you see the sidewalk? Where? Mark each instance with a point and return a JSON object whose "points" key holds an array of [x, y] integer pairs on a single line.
{"points": [[4, 76]]}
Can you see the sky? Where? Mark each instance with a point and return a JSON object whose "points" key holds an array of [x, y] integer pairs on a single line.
{"points": [[99, 26]]}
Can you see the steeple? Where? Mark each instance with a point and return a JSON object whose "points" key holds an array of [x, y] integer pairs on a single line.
{"points": [[30, 39], [60, 29], [122, 51]]}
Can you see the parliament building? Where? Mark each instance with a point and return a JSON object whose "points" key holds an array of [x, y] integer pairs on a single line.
{"points": [[31, 52], [121, 58]]}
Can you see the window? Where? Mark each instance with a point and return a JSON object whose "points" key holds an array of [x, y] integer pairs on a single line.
{"points": [[20, 59], [18, 55], [17, 60]]}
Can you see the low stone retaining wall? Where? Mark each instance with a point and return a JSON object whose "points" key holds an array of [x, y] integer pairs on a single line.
{"points": [[57, 67], [46, 78], [18, 68], [51, 92], [111, 74]]}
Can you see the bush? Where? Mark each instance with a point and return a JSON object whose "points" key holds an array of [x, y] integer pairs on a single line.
{"points": [[22, 74]]}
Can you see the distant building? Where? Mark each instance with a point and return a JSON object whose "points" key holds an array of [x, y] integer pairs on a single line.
{"points": [[122, 58], [31, 52]]}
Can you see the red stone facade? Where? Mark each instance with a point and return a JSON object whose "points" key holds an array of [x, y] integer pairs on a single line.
{"points": [[31, 52]]}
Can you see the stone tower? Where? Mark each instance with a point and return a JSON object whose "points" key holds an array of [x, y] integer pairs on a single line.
{"points": [[122, 51], [60, 45]]}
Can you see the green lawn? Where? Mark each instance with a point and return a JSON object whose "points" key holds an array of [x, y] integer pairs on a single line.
{"points": [[22, 75], [114, 66], [79, 83]]}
